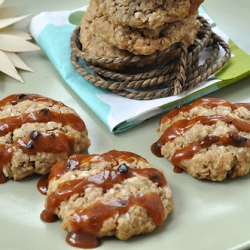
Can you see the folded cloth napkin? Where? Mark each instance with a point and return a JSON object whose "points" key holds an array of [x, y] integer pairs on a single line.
{"points": [[52, 31]]}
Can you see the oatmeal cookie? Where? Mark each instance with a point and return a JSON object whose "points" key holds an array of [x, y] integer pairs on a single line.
{"points": [[210, 139], [116, 193], [36, 132], [93, 44], [148, 14], [139, 41]]}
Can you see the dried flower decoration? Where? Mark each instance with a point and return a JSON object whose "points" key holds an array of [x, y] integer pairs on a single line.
{"points": [[13, 41]]}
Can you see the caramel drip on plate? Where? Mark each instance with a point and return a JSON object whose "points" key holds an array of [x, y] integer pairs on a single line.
{"points": [[36, 142], [42, 185], [87, 222]]}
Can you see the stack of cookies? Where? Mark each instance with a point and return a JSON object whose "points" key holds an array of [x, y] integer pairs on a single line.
{"points": [[118, 29]]}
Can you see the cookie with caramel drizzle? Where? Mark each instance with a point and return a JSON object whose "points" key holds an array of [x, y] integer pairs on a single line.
{"points": [[210, 139], [116, 193]]}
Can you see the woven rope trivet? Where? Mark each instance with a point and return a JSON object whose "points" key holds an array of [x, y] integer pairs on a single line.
{"points": [[169, 79]]}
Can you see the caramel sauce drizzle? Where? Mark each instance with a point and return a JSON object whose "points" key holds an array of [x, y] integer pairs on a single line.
{"points": [[93, 217], [9, 124], [105, 179], [180, 126], [210, 102], [36, 142], [77, 161], [86, 222], [189, 151]]}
